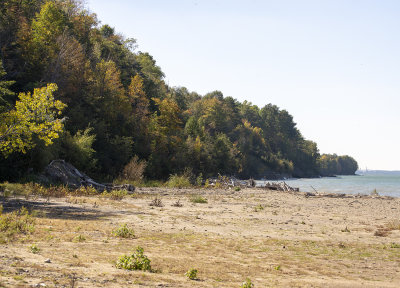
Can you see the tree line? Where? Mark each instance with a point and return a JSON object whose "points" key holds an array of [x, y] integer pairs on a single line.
{"points": [[107, 106]]}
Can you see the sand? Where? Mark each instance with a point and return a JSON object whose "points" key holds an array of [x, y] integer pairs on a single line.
{"points": [[276, 239]]}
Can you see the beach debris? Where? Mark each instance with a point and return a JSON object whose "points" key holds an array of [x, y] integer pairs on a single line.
{"points": [[229, 182], [61, 172]]}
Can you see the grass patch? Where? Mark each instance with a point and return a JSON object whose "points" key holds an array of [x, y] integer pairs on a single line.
{"points": [[115, 194], [15, 223], [198, 199]]}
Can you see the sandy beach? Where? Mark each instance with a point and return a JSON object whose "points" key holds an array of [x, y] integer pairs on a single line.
{"points": [[276, 239]]}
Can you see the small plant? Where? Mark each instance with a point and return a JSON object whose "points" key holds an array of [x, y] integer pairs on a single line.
{"points": [[79, 238], [374, 193], [34, 249], [207, 184], [177, 203], [191, 274], [124, 232], [345, 230], [136, 261], [277, 267], [381, 233], [176, 181], [157, 202], [17, 222], [198, 199], [247, 284], [394, 245], [199, 180], [258, 208], [237, 189]]}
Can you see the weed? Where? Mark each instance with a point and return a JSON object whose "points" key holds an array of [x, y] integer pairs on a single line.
{"points": [[374, 193], [199, 180], [34, 249], [177, 203], [394, 245], [207, 184], [79, 238], [247, 284], [198, 199], [277, 268], [133, 171], [237, 189], [345, 230], [191, 274], [393, 225], [136, 261], [258, 208], [124, 232], [156, 202], [176, 181], [381, 233], [17, 222]]}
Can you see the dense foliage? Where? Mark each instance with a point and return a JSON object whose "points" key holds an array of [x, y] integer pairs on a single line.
{"points": [[337, 165], [118, 105]]}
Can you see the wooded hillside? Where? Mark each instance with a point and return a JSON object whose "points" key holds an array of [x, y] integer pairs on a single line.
{"points": [[118, 106]]}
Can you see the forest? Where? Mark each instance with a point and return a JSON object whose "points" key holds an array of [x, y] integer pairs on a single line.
{"points": [[73, 89]]}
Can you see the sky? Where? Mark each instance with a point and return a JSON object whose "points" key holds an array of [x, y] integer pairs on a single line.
{"points": [[334, 65]]}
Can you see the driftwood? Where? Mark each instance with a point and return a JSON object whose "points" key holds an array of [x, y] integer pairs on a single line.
{"points": [[280, 186], [229, 182], [61, 172]]}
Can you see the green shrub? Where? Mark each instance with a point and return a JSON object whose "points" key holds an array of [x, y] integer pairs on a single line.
{"points": [[17, 222], [124, 232], [191, 274], [237, 189], [136, 261], [34, 249], [198, 199], [247, 284], [176, 181]]}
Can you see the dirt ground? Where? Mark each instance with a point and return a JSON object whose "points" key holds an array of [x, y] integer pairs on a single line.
{"points": [[276, 239]]}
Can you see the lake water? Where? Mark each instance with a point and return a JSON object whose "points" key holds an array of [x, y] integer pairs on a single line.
{"points": [[386, 183]]}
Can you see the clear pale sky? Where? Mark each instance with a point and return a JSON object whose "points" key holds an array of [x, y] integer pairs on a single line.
{"points": [[334, 65]]}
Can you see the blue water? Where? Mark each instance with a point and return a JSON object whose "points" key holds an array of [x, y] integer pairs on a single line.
{"points": [[386, 183]]}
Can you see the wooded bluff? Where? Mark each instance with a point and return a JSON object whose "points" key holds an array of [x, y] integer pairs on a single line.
{"points": [[113, 110]]}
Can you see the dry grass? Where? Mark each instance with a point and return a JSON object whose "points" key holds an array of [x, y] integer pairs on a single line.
{"points": [[225, 240]]}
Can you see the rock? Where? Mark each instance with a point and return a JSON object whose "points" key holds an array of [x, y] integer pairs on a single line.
{"points": [[47, 261]]}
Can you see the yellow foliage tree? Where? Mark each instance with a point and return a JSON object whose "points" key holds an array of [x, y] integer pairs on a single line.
{"points": [[34, 114]]}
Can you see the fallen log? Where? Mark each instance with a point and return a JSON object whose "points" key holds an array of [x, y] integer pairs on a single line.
{"points": [[61, 172]]}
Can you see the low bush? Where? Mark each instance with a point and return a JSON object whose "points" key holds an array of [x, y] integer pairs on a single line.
{"points": [[156, 202], [124, 232], [191, 274], [136, 261], [34, 249], [176, 181]]}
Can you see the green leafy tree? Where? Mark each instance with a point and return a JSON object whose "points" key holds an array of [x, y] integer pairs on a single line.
{"points": [[34, 114]]}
